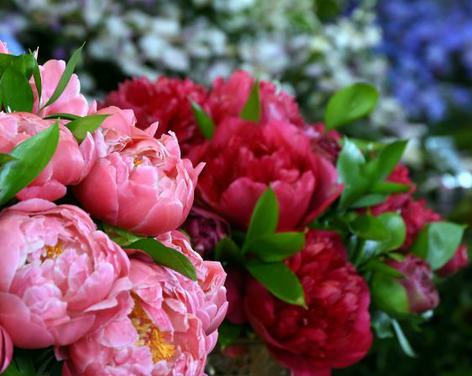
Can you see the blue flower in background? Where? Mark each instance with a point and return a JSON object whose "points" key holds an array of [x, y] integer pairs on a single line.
{"points": [[429, 44], [13, 46]]}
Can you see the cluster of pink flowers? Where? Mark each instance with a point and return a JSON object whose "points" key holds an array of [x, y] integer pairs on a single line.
{"points": [[65, 283]]}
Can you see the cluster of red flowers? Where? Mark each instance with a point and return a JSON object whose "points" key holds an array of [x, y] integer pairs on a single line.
{"points": [[298, 161]]}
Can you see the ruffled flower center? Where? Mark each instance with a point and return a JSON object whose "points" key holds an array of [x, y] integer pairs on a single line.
{"points": [[149, 335], [52, 252]]}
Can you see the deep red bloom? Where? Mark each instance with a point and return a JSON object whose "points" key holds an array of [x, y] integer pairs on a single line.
{"points": [[166, 100], [243, 159], [228, 96], [418, 283], [458, 262], [334, 331], [324, 142]]}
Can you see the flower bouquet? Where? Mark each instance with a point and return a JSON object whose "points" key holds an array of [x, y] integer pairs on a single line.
{"points": [[320, 236]]}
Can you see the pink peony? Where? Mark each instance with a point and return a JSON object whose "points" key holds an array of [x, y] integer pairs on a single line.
{"points": [[243, 159], [334, 330], [68, 166], [418, 283], [140, 183], [167, 101], [169, 328], [228, 96], [6, 347], [60, 277], [71, 100], [3, 48]]}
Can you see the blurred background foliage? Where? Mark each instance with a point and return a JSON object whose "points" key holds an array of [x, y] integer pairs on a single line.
{"points": [[417, 52]]}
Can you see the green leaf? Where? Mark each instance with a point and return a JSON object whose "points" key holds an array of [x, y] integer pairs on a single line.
{"points": [[4, 158], [397, 230], [122, 237], [81, 126], [382, 268], [349, 168], [66, 75], [24, 64], [369, 227], [204, 121], [389, 294], [228, 250], [389, 188], [402, 340], [31, 157], [381, 167], [382, 324], [228, 333], [264, 217], [327, 9], [37, 79], [349, 104], [166, 256], [252, 108], [20, 366], [62, 116], [278, 246], [279, 280], [16, 91], [438, 242], [369, 200]]}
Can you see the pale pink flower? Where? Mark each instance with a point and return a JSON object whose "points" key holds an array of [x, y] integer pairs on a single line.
{"points": [[3, 48], [170, 326], [60, 277], [6, 349], [68, 166], [141, 183]]}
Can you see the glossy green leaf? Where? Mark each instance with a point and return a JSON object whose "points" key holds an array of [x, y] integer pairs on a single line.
{"points": [[37, 79], [349, 168], [382, 268], [31, 157], [369, 227], [382, 324], [252, 108], [278, 246], [166, 256], [369, 200], [228, 333], [66, 75], [349, 104], [24, 64], [389, 188], [438, 242], [4, 158], [21, 365], [279, 280], [15, 91], [87, 124], [63, 116], [382, 166], [264, 217], [228, 250], [397, 230], [389, 294], [204, 121], [122, 237], [402, 340]]}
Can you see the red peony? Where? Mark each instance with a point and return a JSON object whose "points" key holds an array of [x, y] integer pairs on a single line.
{"points": [[166, 100], [334, 331], [459, 261], [324, 142], [243, 159], [228, 97]]}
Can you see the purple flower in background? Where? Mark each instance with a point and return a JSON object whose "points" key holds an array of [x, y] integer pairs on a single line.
{"points": [[429, 44]]}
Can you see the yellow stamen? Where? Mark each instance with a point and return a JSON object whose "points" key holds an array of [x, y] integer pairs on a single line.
{"points": [[137, 161], [52, 251], [149, 335]]}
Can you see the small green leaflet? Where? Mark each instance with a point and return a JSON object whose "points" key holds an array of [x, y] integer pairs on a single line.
{"points": [[4, 158], [264, 217], [252, 108], [62, 116], [389, 294], [382, 166], [279, 280], [37, 79], [228, 333], [204, 121], [228, 250], [66, 75], [81, 126], [278, 246], [349, 104], [402, 340], [166, 256], [31, 157], [122, 237], [15, 91]]}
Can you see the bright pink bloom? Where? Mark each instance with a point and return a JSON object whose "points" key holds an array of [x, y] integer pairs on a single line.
{"points": [[418, 283], [170, 326], [167, 101], [140, 183], [326, 143], [243, 159], [6, 347], [334, 331], [60, 277], [228, 96], [3, 48], [68, 166], [458, 262], [71, 100]]}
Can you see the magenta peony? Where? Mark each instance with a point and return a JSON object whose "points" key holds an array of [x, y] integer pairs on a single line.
{"points": [[418, 283], [68, 166], [60, 277], [169, 328], [326, 143], [140, 183], [167, 101], [228, 96], [459, 261], [243, 159], [6, 347], [334, 331]]}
